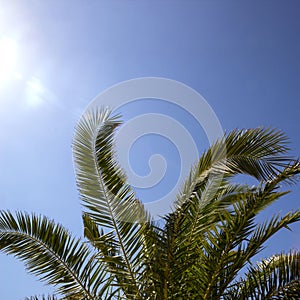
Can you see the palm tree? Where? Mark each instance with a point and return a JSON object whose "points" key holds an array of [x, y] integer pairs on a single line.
{"points": [[204, 249]]}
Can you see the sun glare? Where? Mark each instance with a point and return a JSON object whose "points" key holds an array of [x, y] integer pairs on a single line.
{"points": [[8, 58], [35, 92]]}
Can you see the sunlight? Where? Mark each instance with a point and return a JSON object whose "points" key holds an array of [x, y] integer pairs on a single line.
{"points": [[35, 92], [8, 58]]}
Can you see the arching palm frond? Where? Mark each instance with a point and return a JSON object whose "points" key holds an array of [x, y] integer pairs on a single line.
{"points": [[273, 278], [256, 152], [109, 201], [51, 253]]}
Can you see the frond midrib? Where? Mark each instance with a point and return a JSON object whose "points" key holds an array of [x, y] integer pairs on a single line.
{"points": [[62, 262], [102, 183]]}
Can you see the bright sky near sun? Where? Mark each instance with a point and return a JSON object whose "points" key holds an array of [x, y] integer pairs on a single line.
{"points": [[57, 55], [8, 58]]}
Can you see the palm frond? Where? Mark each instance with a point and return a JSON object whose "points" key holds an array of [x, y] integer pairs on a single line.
{"points": [[257, 152], [216, 228], [50, 253], [234, 241], [275, 278], [109, 201], [187, 229]]}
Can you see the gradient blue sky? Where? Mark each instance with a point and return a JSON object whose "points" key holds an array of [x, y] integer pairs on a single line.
{"points": [[242, 56]]}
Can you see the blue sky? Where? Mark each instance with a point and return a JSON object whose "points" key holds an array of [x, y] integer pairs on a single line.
{"points": [[241, 56]]}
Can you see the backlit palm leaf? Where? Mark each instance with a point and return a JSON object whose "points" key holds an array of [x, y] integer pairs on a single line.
{"points": [[51, 253], [109, 200], [273, 278]]}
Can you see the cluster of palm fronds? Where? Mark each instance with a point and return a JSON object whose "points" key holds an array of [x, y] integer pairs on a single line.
{"points": [[199, 249]]}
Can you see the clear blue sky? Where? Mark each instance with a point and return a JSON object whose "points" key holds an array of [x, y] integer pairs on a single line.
{"points": [[242, 56]]}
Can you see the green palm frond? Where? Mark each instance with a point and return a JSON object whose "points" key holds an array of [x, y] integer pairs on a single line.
{"points": [[215, 225], [256, 152], [50, 253], [275, 278], [229, 259], [100, 181], [109, 201], [240, 239]]}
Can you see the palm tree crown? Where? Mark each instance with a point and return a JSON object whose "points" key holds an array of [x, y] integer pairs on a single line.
{"points": [[199, 249]]}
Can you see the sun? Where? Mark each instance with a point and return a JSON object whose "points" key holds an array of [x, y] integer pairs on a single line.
{"points": [[8, 58]]}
